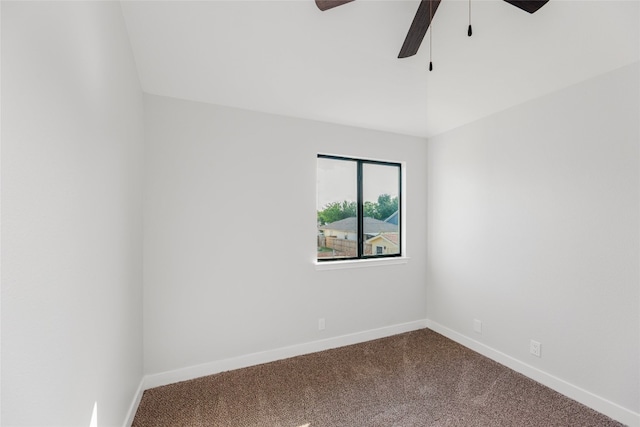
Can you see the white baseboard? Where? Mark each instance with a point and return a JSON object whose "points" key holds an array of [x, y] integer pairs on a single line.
{"points": [[576, 393], [133, 408], [217, 366]]}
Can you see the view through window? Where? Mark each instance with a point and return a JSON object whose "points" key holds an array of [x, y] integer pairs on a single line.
{"points": [[358, 208]]}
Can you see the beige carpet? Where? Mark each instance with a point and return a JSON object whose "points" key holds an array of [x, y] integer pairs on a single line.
{"points": [[418, 378]]}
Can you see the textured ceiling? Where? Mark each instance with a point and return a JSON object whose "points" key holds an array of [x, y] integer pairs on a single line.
{"points": [[341, 66]]}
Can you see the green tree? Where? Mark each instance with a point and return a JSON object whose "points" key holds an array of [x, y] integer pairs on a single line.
{"points": [[386, 206], [336, 211], [370, 209]]}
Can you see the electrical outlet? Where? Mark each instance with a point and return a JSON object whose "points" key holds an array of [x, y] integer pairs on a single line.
{"points": [[535, 348], [321, 324], [477, 326]]}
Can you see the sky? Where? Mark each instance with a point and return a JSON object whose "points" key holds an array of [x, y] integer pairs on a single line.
{"points": [[336, 181]]}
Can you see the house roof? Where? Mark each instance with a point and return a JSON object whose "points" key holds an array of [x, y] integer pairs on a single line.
{"points": [[371, 226], [389, 237], [393, 218]]}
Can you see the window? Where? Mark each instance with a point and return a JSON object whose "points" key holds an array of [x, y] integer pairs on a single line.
{"points": [[358, 208]]}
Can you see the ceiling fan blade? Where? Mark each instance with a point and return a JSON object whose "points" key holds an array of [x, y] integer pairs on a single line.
{"points": [[528, 5], [419, 27], [330, 4]]}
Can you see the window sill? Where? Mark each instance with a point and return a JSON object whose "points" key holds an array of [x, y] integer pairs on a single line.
{"points": [[360, 263]]}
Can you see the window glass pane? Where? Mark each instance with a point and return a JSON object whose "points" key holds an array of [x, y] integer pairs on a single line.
{"points": [[337, 196], [381, 190]]}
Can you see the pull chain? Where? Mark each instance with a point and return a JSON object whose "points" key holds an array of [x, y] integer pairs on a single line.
{"points": [[430, 35], [469, 31]]}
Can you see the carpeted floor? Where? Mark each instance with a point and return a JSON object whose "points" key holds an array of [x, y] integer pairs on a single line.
{"points": [[414, 379]]}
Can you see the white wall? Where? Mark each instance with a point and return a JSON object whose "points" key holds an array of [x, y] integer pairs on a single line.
{"points": [[534, 229], [72, 141], [533, 225], [218, 282]]}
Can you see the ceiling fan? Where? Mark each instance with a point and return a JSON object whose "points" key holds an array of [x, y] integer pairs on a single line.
{"points": [[423, 17]]}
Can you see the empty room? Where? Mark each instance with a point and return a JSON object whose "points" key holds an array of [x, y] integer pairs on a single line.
{"points": [[316, 213]]}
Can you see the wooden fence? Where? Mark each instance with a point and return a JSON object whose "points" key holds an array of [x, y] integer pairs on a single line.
{"points": [[341, 247]]}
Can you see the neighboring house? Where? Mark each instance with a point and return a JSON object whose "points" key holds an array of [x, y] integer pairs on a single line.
{"points": [[346, 228], [384, 243], [393, 218], [341, 236]]}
